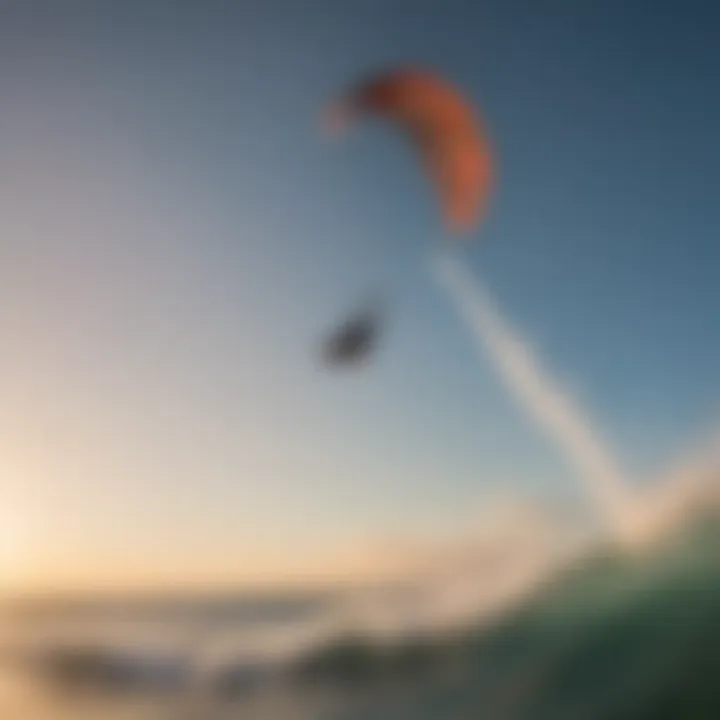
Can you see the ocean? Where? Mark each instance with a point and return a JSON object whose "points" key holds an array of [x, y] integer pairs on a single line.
{"points": [[606, 636]]}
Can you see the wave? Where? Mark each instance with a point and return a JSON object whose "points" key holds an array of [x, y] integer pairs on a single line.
{"points": [[558, 614]]}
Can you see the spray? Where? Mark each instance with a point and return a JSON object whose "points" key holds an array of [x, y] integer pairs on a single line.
{"points": [[544, 401]]}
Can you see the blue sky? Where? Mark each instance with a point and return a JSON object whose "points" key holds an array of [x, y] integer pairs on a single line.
{"points": [[178, 236]]}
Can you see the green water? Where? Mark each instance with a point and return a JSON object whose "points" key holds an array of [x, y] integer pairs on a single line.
{"points": [[614, 638]]}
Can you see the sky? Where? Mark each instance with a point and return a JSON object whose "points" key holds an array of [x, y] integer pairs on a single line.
{"points": [[178, 236]]}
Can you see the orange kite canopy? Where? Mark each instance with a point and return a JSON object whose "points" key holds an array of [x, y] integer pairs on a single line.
{"points": [[443, 126]]}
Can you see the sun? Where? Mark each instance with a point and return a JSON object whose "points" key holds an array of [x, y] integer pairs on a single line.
{"points": [[14, 546]]}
